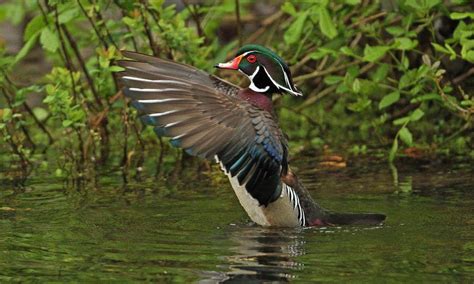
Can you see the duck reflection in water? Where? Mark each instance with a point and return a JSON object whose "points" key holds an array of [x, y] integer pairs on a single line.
{"points": [[260, 254]]}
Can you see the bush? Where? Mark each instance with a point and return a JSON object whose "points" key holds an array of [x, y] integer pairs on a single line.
{"points": [[376, 74]]}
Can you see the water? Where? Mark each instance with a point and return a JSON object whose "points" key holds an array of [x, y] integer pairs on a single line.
{"points": [[159, 233]]}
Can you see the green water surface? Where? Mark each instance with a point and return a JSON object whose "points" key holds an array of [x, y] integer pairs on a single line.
{"points": [[197, 232]]}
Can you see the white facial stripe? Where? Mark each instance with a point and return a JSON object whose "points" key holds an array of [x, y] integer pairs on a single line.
{"points": [[154, 90], [154, 81], [252, 84], [280, 86]]}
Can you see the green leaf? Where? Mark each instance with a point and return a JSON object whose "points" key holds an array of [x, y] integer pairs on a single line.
{"points": [[440, 48], [347, 51], [408, 79], [33, 27], [427, 97], [402, 120], [288, 8], [326, 25], [361, 104], [321, 52], [416, 115], [116, 68], [331, 80], [468, 55], [451, 51], [393, 150], [374, 53], [404, 43], [26, 48], [49, 40], [395, 30], [293, 33], [406, 136], [67, 123], [381, 73], [129, 21], [389, 99], [422, 6], [352, 2], [68, 15], [40, 113], [459, 16], [7, 114], [356, 86]]}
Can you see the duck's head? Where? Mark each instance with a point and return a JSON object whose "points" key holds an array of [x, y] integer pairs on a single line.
{"points": [[267, 72]]}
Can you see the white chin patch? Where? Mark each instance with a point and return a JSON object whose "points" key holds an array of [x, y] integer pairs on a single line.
{"points": [[252, 84], [257, 89]]}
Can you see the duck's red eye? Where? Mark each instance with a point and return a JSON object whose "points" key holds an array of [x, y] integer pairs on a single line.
{"points": [[252, 58]]}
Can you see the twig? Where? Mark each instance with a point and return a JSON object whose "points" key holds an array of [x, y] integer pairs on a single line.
{"points": [[146, 26], [97, 33], [195, 15], [82, 64], [313, 99], [465, 113], [368, 19], [39, 123], [239, 24], [268, 21], [30, 111], [463, 76], [101, 20], [66, 57], [318, 73]]}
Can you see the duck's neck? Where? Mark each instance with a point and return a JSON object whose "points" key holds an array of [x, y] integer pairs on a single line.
{"points": [[260, 100]]}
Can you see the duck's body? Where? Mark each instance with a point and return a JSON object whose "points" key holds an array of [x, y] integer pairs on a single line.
{"points": [[213, 119]]}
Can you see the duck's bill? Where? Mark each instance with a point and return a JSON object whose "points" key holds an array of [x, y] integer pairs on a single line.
{"points": [[232, 65]]}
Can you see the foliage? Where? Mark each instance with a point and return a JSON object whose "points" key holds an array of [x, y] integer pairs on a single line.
{"points": [[385, 74]]}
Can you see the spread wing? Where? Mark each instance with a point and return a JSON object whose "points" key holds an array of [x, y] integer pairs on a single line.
{"points": [[202, 115]]}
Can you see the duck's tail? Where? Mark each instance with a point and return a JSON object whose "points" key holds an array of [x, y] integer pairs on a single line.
{"points": [[354, 218], [319, 216]]}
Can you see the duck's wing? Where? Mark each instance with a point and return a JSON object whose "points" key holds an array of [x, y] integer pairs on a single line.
{"points": [[202, 115]]}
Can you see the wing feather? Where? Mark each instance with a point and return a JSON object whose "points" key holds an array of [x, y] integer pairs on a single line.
{"points": [[201, 114]]}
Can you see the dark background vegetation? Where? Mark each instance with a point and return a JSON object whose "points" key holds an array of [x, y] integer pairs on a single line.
{"points": [[390, 79]]}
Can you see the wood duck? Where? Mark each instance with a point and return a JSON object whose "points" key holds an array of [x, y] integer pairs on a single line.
{"points": [[237, 127]]}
